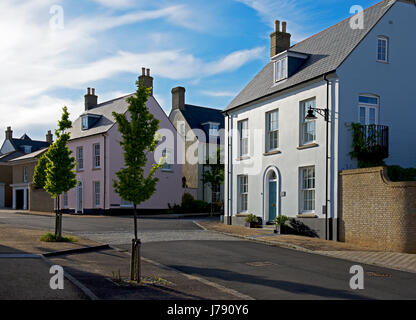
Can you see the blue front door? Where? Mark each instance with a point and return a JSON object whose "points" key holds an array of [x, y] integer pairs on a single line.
{"points": [[272, 200]]}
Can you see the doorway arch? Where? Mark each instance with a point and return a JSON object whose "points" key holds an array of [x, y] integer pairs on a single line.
{"points": [[271, 194]]}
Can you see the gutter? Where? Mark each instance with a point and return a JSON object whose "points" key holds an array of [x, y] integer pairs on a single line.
{"points": [[229, 174], [327, 156]]}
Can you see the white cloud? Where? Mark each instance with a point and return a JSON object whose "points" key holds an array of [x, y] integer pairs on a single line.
{"points": [[37, 63], [116, 3], [219, 93], [294, 12]]}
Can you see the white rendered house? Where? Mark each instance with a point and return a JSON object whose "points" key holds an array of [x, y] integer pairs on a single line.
{"points": [[358, 71]]}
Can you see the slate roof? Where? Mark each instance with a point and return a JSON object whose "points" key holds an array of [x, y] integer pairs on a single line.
{"points": [[32, 155], [196, 116], [18, 143], [105, 111], [327, 50], [10, 155]]}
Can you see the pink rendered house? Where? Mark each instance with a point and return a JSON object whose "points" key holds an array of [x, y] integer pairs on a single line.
{"points": [[95, 145]]}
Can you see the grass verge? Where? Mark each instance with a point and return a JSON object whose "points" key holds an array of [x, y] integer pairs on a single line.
{"points": [[50, 237]]}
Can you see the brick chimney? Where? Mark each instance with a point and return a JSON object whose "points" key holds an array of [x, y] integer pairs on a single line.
{"points": [[146, 80], [91, 100], [178, 98], [49, 137], [280, 40], [9, 133]]}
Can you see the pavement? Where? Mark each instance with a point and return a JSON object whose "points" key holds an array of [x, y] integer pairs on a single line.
{"points": [[351, 252], [197, 263]]}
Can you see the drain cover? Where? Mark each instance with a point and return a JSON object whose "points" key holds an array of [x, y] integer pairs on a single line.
{"points": [[378, 274], [260, 264]]}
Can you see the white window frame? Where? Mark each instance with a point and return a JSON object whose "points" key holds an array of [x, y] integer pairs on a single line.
{"points": [[27, 149], [24, 174], [242, 181], [96, 158], [97, 194], [304, 123], [213, 129], [386, 48], [65, 200], [167, 165], [80, 160], [243, 138], [367, 106], [182, 129], [269, 132], [308, 189], [280, 69], [84, 123]]}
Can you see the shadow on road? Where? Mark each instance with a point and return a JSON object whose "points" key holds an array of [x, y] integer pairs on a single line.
{"points": [[292, 287]]}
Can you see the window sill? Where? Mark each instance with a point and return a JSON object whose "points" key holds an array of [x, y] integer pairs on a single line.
{"points": [[98, 168], [243, 158], [167, 170], [242, 214], [308, 146], [270, 153], [80, 170], [381, 61], [306, 215]]}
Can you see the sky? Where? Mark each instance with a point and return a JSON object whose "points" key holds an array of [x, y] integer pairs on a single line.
{"points": [[52, 50]]}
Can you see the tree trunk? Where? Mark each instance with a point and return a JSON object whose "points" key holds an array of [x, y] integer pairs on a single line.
{"points": [[135, 222], [135, 265], [59, 220], [56, 218]]}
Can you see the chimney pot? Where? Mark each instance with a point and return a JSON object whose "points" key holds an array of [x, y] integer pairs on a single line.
{"points": [[91, 100], [9, 133], [277, 26], [178, 98], [280, 40], [49, 137], [146, 80]]}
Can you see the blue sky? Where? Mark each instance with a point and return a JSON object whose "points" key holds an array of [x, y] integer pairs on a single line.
{"points": [[212, 48]]}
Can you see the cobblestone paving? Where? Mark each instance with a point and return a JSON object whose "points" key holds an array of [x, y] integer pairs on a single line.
{"points": [[116, 238]]}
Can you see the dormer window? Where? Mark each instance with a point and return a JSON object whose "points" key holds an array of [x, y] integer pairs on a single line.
{"points": [[213, 129], [85, 123], [281, 69], [27, 149], [88, 121], [287, 63]]}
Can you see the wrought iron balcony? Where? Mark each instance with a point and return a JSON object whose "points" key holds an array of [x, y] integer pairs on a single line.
{"points": [[375, 141]]}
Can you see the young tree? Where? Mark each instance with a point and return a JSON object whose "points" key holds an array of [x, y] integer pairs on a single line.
{"points": [[55, 169], [138, 140], [214, 176]]}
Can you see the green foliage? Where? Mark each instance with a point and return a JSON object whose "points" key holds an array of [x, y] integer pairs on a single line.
{"points": [[49, 237], [138, 139], [190, 205], [55, 169], [281, 220], [214, 176], [365, 148], [397, 173], [251, 218], [39, 176], [187, 201]]}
